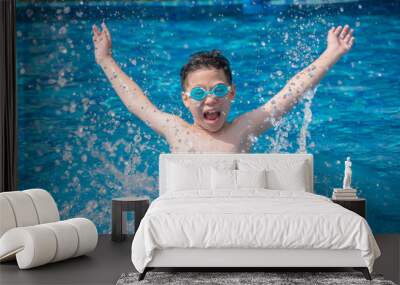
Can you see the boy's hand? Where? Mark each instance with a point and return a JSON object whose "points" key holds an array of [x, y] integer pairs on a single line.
{"points": [[340, 40], [102, 43]]}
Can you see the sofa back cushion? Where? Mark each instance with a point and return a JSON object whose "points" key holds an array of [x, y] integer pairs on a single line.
{"points": [[26, 208]]}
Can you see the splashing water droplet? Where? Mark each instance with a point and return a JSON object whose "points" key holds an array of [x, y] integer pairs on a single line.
{"points": [[38, 168], [29, 13], [286, 37], [302, 140], [62, 30], [137, 138], [72, 107], [62, 49], [67, 10]]}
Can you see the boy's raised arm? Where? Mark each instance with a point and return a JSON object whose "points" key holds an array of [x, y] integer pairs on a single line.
{"points": [[129, 92], [259, 120]]}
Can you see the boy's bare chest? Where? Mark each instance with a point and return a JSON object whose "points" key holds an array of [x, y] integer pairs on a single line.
{"points": [[190, 141]]}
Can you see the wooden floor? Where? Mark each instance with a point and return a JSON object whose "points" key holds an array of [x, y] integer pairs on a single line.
{"points": [[111, 259]]}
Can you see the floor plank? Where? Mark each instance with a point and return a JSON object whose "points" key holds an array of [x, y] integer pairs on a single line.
{"points": [[389, 262]]}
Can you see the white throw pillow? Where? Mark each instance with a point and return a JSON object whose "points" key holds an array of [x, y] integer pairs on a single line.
{"points": [[223, 179], [282, 174], [295, 180], [182, 177], [230, 180], [251, 178]]}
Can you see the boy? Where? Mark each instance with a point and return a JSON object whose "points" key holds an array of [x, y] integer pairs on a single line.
{"points": [[208, 91]]}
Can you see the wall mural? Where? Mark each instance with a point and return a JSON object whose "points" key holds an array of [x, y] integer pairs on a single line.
{"points": [[78, 140]]}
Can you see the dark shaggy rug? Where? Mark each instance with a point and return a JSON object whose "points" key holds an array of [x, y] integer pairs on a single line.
{"points": [[229, 278]]}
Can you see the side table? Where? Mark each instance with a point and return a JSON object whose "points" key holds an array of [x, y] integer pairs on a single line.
{"points": [[138, 205], [356, 205]]}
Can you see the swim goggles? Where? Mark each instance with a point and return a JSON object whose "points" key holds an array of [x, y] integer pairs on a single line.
{"points": [[198, 93]]}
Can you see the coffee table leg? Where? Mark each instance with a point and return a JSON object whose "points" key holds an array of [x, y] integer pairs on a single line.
{"points": [[116, 225]]}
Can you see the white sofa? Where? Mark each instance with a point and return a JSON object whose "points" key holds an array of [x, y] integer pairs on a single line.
{"points": [[31, 231]]}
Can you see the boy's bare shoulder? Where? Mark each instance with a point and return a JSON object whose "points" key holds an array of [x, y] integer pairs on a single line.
{"points": [[177, 121], [238, 127], [173, 125]]}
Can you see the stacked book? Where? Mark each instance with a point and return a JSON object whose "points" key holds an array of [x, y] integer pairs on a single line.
{"points": [[344, 194]]}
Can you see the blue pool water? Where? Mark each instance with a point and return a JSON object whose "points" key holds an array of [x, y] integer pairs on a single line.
{"points": [[77, 140]]}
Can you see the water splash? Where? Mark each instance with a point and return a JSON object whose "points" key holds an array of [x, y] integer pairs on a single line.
{"points": [[302, 139]]}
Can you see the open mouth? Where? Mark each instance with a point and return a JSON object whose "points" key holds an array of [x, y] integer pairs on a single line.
{"points": [[211, 116]]}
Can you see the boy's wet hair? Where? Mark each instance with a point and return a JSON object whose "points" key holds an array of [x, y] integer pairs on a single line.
{"points": [[206, 59]]}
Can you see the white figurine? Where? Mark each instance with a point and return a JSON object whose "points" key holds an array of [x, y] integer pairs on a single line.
{"points": [[347, 174]]}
